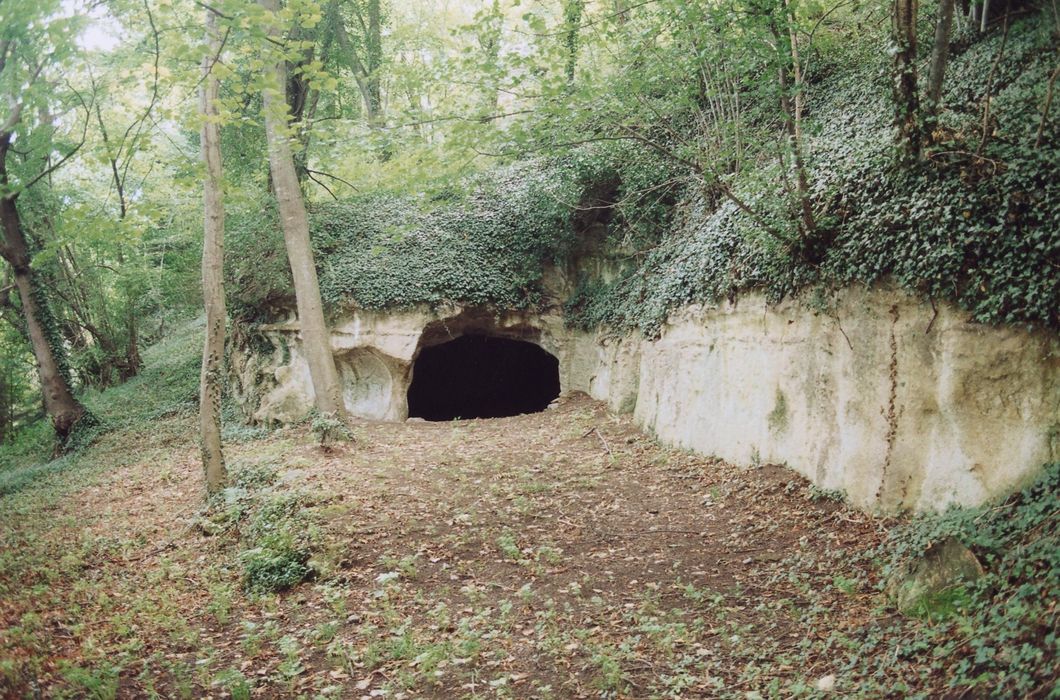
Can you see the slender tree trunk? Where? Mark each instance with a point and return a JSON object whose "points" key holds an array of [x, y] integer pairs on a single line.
{"points": [[213, 293], [990, 83], [906, 99], [360, 71], [5, 408], [129, 365], [316, 340], [8, 311], [490, 42], [572, 18], [940, 53], [133, 361], [64, 410], [793, 121], [1045, 108], [374, 59]]}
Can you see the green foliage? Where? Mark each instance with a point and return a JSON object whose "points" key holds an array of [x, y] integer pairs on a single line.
{"points": [[276, 542], [24, 467], [1001, 632], [251, 475], [168, 386], [235, 683], [329, 428], [972, 224], [19, 402], [257, 275], [276, 564], [97, 684], [974, 229], [485, 243]]}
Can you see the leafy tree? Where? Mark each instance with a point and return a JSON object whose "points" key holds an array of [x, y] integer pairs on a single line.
{"points": [[316, 341], [33, 42]]}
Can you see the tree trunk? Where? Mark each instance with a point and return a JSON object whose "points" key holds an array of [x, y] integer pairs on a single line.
{"points": [[795, 127], [940, 53], [793, 124], [213, 294], [906, 100], [132, 363], [316, 340], [129, 365], [490, 42], [374, 60], [572, 18], [64, 410]]}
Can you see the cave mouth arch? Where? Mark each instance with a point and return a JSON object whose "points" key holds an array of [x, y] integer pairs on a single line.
{"points": [[481, 376]]}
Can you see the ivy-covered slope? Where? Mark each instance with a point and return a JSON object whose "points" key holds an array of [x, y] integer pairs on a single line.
{"points": [[485, 241], [977, 223]]}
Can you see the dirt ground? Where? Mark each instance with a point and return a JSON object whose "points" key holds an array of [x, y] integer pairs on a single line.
{"points": [[563, 554]]}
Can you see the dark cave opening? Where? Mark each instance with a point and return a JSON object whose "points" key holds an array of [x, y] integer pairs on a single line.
{"points": [[478, 376]]}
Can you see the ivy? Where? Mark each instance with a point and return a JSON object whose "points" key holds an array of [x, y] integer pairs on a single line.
{"points": [[976, 223], [981, 230], [483, 241], [1005, 636]]}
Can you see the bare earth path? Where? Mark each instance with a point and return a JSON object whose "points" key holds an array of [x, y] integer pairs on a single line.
{"points": [[558, 555]]}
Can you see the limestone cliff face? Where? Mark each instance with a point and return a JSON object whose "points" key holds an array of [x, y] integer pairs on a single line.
{"points": [[885, 400], [898, 404]]}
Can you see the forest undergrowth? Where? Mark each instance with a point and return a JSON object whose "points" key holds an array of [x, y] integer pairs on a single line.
{"points": [[563, 554]]}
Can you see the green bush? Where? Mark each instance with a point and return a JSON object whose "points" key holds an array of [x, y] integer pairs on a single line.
{"points": [[276, 564], [329, 428], [277, 544]]}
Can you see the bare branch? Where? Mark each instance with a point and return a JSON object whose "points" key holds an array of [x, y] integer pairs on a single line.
{"points": [[333, 177], [216, 59], [1045, 109], [309, 174]]}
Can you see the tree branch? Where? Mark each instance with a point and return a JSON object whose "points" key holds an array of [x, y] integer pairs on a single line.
{"points": [[333, 177], [309, 174], [55, 166]]}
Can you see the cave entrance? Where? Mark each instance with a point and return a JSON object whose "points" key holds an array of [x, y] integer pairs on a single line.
{"points": [[478, 376]]}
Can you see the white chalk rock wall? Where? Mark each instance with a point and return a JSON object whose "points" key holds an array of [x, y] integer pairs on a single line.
{"points": [[884, 398]]}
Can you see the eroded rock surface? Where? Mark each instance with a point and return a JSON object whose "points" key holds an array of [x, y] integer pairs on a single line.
{"points": [[884, 397]]}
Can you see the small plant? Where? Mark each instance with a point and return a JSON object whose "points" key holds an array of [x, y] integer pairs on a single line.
{"points": [[235, 683], [220, 605], [329, 428], [276, 564], [291, 666], [845, 585], [508, 546], [819, 495], [98, 684], [278, 556], [610, 676], [254, 475]]}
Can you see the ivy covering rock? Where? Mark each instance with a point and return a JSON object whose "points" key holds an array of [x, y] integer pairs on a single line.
{"points": [[975, 223]]}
